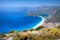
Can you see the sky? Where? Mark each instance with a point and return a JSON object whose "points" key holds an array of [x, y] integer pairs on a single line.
{"points": [[28, 3]]}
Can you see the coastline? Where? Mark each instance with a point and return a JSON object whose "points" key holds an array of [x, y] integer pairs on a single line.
{"points": [[40, 23]]}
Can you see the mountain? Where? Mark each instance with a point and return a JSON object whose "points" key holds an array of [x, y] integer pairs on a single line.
{"points": [[52, 11]]}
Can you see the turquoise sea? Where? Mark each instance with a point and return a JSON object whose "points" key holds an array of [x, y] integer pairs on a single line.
{"points": [[17, 19]]}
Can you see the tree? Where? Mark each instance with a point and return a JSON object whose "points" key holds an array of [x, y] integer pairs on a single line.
{"points": [[25, 30], [40, 27], [58, 26], [31, 29], [12, 31]]}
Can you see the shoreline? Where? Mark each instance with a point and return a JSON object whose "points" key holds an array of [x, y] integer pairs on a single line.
{"points": [[40, 23]]}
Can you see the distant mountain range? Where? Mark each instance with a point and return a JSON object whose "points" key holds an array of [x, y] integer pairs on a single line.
{"points": [[52, 11]]}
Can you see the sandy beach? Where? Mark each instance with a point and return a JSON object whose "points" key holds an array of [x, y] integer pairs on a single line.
{"points": [[40, 23]]}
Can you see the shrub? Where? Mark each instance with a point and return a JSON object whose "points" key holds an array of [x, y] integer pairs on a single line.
{"points": [[40, 27], [31, 29], [25, 30], [58, 26], [12, 31]]}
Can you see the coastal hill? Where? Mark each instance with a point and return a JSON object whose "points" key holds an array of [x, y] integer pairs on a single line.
{"points": [[52, 11], [41, 32], [35, 34]]}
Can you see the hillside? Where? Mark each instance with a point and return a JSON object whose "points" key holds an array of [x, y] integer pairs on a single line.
{"points": [[52, 11]]}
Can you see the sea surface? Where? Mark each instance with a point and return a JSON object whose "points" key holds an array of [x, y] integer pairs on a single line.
{"points": [[17, 19]]}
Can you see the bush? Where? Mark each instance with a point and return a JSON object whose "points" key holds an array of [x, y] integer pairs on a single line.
{"points": [[40, 27], [31, 29], [25, 30], [58, 26], [12, 31]]}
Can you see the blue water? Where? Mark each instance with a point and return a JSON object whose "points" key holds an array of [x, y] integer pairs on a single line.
{"points": [[15, 19], [19, 23]]}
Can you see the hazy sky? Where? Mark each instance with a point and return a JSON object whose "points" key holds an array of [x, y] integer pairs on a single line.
{"points": [[28, 3]]}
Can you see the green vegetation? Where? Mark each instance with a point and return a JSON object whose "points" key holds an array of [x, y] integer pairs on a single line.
{"points": [[2, 35], [44, 34], [32, 29], [40, 33], [25, 30], [58, 26], [12, 31], [40, 27]]}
